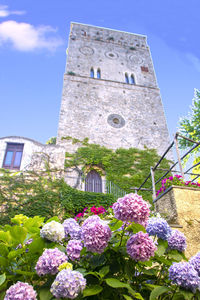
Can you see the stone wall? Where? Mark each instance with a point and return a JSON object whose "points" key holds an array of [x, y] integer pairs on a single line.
{"points": [[107, 110], [181, 207], [35, 155]]}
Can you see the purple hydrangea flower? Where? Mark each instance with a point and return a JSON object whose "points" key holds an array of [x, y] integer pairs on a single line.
{"points": [[53, 231], [68, 284], [183, 274], [49, 261], [29, 242], [177, 241], [158, 226], [140, 247], [195, 262], [132, 208], [20, 291], [74, 248], [72, 228], [96, 234]]}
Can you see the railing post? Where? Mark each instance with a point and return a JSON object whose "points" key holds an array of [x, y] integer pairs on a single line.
{"points": [[153, 183], [178, 156]]}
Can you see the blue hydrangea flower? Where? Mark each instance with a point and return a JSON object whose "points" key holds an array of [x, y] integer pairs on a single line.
{"points": [[20, 291], [158, 227], [195, 262], [177, 241], [68, 284], [72, 229], [183, 274]]}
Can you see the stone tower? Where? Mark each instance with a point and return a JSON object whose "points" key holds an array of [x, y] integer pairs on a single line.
{"points": [[110, 93]]}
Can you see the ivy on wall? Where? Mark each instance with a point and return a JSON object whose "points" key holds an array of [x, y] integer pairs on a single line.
{"points": [[44, 195], [127, 168]]}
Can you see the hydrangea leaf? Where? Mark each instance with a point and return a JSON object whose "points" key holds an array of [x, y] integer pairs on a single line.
{"points": [[2, 278], [127, 297], [159, 290], [115, 225], [92, 290], [45, 294], [18, 233], [104, 271]]}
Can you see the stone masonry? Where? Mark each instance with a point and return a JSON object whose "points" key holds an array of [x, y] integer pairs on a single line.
{"points": [[108, 110]]}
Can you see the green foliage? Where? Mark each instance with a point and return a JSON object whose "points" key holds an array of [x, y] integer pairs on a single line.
{"points": [[109, 275], [189, 126], [127, 168], [51, 141], [45, 195]]}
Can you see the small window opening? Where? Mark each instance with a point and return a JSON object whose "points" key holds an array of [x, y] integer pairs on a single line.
{"points": [[98, 73], [13, 156], [92, 73], [132, 79], [126, 78]]}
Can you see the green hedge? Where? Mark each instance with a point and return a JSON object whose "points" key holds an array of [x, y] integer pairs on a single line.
{"points": [[34, 194]]}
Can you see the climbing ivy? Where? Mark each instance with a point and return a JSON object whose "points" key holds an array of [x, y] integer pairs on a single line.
{"points": [[43, 194], [127, 168]]}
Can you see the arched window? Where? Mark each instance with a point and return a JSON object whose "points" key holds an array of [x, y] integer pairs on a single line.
{"points": [[126, 78], [93, 182], [132, 79], [98, 73], [92, 73]]}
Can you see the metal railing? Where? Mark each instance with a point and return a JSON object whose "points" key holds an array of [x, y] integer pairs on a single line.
{"points": [[96, 186], [178, 162]]}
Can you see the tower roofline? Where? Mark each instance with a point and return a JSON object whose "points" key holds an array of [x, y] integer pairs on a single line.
{"points": [[105, 28]]}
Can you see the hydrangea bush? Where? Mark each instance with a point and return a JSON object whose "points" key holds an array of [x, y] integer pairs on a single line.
{"points": [[124, 254]]}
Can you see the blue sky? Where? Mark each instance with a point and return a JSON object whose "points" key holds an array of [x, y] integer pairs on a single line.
{"points": [[33, 42]]}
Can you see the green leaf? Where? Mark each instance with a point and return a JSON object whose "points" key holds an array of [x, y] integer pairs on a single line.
{"points": [[115, 225], [18, 233], [160, 250], [175, 255], [2, 278], [115, 283], [37, 245], [104, 271], [15, 253], [92, 290], [26, 273], [3, 249], [187, 295], [127, 297], [136, 228], [159, 290], [5, 237], [3, 262], [53, 219], [45, 294]]}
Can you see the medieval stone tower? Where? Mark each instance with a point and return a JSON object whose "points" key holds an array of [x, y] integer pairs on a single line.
{"points": [[110, 93]]}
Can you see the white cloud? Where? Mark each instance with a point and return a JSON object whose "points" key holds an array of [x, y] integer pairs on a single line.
{"points": [[5, 12], [194, 60], [26, 37]]}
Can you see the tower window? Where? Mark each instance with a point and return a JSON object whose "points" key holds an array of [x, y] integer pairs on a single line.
{"points": [[13, 156], [92, 73], [132, 79], [98, 73], [126, 78]]}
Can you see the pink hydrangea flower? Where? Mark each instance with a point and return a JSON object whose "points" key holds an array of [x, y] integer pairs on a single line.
{"points": [[74, 248], [20, 291], [49, 261], [96, 234], [140, 246], [132, 208]]}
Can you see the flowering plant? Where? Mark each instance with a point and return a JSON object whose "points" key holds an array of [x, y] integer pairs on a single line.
{"points": [[128, 256], [175, 180], [89, 211]]}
